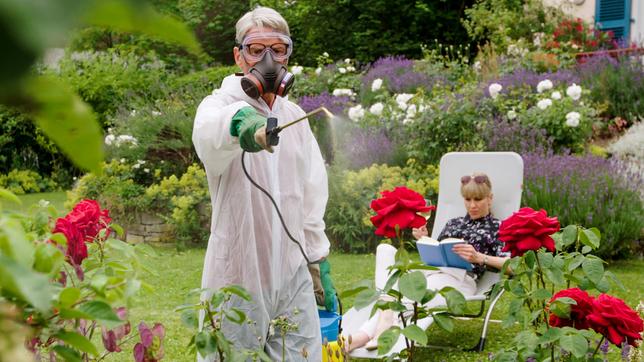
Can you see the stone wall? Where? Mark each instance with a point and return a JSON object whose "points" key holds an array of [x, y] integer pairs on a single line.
{"points": [[148, 228]]}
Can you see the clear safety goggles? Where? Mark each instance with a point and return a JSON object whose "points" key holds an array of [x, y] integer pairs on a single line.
{"points": [[255, 45]]}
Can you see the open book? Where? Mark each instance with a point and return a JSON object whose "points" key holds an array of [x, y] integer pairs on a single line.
{"points": [[435, 253]]}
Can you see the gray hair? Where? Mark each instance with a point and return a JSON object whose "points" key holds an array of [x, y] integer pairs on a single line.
{"points": [[260, 17]]}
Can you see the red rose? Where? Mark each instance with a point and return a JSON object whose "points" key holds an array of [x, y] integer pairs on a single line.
{"points": [[615, 320], [89, 218], [398, 207], [76, 248], [578, 312], [528, 229]]}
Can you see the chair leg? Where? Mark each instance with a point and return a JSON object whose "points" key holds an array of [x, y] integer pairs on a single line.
{"points": [[481, 344]]}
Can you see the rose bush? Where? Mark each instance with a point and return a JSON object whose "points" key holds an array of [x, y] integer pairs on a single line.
{"points": [[528, 229], [399, 209]]}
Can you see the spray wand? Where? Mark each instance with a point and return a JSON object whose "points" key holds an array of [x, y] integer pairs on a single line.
{"points": [[272, 129]]}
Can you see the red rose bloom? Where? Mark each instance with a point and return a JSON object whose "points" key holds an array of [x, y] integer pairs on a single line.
{"points": [[76, 248], [89, 218], [615, 320], [528, 229], [398, 207], [578, 312]]}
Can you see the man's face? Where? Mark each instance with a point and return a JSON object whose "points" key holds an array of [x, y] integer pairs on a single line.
{"points": [[257, 42]]}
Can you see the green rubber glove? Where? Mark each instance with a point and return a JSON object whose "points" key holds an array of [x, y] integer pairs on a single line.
{"points": [[327, 285], [244, 125]]}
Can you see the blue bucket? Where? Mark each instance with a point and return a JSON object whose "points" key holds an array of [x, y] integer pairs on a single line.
{"points": [[329, 324]]}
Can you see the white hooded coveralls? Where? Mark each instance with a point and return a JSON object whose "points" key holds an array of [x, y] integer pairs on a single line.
{"points": [[248, 245]]}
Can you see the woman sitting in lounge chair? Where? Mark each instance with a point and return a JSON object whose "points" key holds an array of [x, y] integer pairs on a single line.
{"points": [[483, 249]]}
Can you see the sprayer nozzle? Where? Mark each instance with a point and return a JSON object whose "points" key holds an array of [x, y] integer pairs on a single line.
{"points": [[327, 112]]}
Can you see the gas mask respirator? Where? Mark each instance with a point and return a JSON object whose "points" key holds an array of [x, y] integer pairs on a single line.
{"points": [[267, 50], [267, 76]]}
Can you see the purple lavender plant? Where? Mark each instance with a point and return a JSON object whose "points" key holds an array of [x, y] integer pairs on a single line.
{"points": [[522, 78], [579, 189], [366, 146], [399, 75], [336, 105], [503, 135]]}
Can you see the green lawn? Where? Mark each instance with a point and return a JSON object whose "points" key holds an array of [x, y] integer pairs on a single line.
{"points": [[57, 199], [177, 272]]}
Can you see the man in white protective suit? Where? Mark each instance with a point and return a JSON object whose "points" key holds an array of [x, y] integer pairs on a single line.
{"points": [[248, 245]]}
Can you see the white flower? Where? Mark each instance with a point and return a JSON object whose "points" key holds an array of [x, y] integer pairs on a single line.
{"points": [[343, 92], [402, 100], [109, 139], [477, 66], [544, 85], [422, 108], [133, 113], [122, 160], [124, 138], [156, 113], [512, 114], [407, 120], [356, 113], [351, 68], [297, 69], [494, 89], [376, 108], [342, 70], [572, 119], [411, 111], [376, 84], [140, 162], [146, 170], [555, 95], [318, 70], [574, 92], [629, 146], [537, 39], [136, 165], [325, 54], [544, 103], [347, 61]]}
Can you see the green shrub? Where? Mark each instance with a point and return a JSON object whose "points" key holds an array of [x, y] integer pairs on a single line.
{"points": [[449, 123], [350, 194], [112, 80], [207, 79], [26, 181], [23, 146], [183, 202]]}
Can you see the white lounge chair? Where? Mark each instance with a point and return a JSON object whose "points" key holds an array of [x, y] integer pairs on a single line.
{"points": [[505, 170]]}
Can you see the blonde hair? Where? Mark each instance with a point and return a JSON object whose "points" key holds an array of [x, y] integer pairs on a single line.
{"points": [[261, 17], [474, 190]]}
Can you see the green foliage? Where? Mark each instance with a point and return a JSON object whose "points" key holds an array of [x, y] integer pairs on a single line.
{"points": [[378, 27], [536, 277], [185, 204], [175, 58], [619, 86], [350, 193], [501, 21], [112, 80], [450, 123], [49, 296], [213, 22], [30, 28], [123, 188], [553, 121], [26, 181]]}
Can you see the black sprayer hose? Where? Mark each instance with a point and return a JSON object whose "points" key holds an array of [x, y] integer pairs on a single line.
{"points": [[276, 208]]}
